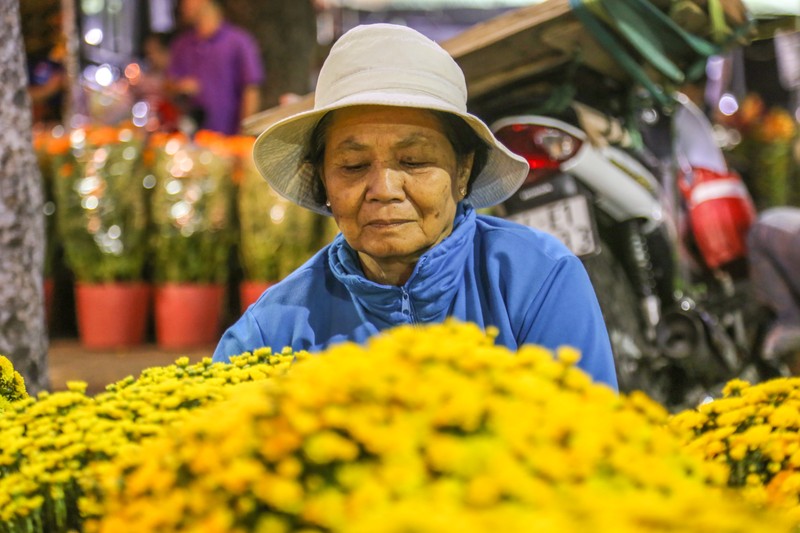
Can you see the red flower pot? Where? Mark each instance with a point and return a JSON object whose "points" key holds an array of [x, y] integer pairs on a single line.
{"points": [[188, 315], [48, 287], [249, 291], [112, 315]]}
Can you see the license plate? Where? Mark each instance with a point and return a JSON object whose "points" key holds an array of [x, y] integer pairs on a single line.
{"points": [[570, 220]]}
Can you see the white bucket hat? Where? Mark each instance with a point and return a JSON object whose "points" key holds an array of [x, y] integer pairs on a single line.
{"points": [[382, 64]]}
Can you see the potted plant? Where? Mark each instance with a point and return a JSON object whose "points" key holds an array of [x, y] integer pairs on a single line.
{"points": [[275, 235], [192, 238], [47, 143], [101, 219]]}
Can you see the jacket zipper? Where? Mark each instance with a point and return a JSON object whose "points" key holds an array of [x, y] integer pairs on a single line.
{"points": [[406, 306]]}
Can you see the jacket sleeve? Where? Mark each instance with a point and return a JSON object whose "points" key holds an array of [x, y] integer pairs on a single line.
{"points": [[243, 336], [565, 312]]}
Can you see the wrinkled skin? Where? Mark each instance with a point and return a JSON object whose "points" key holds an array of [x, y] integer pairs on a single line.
{"points": [[393, 181]]}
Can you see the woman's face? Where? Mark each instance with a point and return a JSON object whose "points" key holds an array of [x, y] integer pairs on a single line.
{"points": [[392, 179]]}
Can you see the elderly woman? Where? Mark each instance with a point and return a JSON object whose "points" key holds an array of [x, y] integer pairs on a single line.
{"points": [[391, 153]]}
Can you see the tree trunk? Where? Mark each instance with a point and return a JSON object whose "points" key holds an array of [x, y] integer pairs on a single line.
{"points": [[286, 32], [23, 337]]}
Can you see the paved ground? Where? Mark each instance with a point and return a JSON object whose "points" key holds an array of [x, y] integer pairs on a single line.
{"points": [[68, 361]]}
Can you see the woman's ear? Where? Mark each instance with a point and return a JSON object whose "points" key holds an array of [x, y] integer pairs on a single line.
{"points": [[320, 191], [464, 173]]}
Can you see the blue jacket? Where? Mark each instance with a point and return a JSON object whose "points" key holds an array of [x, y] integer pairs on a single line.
{"points": [[489, 271]]}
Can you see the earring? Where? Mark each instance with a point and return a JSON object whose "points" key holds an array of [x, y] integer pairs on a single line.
{"points": [[463, 191], [328, 203]]}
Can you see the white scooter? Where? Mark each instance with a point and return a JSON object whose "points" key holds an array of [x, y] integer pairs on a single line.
{"points": [[676, 310]]}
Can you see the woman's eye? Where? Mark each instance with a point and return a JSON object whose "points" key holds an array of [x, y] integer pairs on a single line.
{"points": [[354, 167], [414, 163]]}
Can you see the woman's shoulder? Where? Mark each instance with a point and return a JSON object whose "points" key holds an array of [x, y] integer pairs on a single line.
{"points": [[498, 235], [301, 286]]}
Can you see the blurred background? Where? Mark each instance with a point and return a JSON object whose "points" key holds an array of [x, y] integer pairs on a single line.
{"points": [[142, 199]]}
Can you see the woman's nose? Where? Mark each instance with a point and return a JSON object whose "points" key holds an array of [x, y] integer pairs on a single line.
{"points": [[385, 184]]}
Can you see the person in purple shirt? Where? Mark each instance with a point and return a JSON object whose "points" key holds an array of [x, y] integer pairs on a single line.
{"points": [[215, 69]]}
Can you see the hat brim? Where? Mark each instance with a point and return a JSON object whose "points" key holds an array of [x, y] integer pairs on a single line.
{"points": [[280, 152]]}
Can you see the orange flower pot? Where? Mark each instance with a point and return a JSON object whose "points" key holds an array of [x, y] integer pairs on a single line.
{"points": [[249, 291], [112, 315], [188, 315]]}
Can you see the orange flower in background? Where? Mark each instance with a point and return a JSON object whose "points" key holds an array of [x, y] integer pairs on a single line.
{"points": [[102, 135], [778, 125], [40, 139], [751, 111], [66, 170], [159, 139], [238, 173], [58, 145], [206, 137], [241, 145], [213, 141], [148, 157]]}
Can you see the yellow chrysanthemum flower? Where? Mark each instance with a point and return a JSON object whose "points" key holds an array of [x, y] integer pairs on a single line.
{"points": [[12, 386], [427, 428], [53, 447], [752, 432]]}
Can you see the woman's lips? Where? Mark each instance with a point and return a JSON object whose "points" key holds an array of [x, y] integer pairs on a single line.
{"points": [[388, 223]]}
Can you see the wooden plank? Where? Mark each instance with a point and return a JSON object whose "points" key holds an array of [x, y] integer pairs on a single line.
{"points": [[485, 84], [255, 124], [571, 38], [508, 54], [509, 46], [502, 27]]}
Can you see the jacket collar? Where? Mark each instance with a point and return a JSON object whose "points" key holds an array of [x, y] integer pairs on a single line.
{"points": [[431, 286]]}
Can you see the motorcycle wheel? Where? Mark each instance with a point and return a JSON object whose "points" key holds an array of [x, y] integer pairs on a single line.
{"points": [[635, 357]]}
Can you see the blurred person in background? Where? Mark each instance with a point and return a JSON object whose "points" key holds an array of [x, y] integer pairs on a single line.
{"points": [[774, 252], [215, 68], [151, 84], [391, 153], [47, 79]]}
